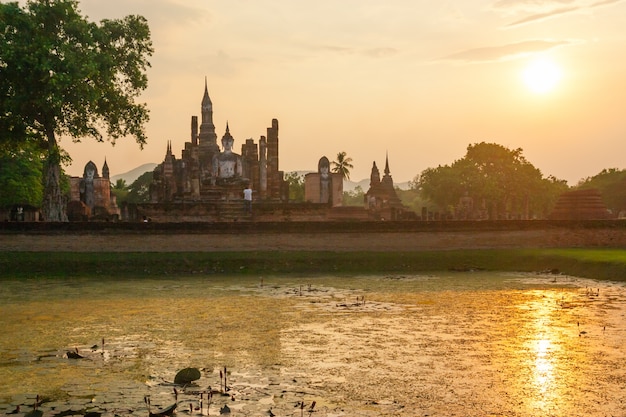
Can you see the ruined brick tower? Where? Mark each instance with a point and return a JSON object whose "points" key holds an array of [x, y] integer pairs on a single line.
{"points": [[193, 177]]}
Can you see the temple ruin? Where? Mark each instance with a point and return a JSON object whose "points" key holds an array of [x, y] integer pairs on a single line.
{"points": [[91, 197], [583, 204], [323, 186], [204, 173], [381, 200]]}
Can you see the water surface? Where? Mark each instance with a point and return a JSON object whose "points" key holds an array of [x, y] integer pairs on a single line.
{"points": [[465, 344]]}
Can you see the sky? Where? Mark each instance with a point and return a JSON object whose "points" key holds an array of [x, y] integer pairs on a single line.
{"points": [[417, 80]]}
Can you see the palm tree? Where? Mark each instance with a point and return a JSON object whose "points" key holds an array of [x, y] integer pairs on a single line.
{"points": [[120, 184], [343, 165]]}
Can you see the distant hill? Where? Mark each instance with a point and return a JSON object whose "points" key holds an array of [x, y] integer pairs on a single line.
{"points": [[133, 174], [365, 185]]}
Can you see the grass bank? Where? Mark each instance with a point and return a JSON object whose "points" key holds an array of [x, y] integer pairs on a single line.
{"points": [[609, 264]]}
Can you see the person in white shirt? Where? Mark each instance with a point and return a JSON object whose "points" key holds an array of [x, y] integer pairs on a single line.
{"points": [[247, 199]]}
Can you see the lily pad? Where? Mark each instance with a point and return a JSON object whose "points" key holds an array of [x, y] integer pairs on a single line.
{"points": [[187, 375]]}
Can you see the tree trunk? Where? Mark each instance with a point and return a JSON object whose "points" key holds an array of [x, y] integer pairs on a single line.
{"points": [[53, 206]]}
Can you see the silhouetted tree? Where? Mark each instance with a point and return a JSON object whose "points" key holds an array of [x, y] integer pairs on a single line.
{"points": [[120, 190], [342, 165], [63, 75], [20, 175], [139, 190], [296, 186], [354, 197], [611, 183], [498, 179]]}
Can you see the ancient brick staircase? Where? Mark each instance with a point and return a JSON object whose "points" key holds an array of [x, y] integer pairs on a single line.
{"points": [[232, 211]]}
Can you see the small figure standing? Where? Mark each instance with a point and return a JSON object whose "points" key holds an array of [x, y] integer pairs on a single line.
{"points": [[247, 199]]}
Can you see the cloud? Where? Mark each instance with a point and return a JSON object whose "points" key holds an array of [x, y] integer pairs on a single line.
{"points": [[504, 52], [159, 12], [533, 6], [341, 50], [546, 9], [380, 52]]}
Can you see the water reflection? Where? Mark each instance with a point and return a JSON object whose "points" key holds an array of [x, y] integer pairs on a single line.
{"points": [[543, 366], [443, 344]]}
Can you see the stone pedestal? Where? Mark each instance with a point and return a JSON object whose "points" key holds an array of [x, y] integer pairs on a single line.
{"points": [[223, 192]]}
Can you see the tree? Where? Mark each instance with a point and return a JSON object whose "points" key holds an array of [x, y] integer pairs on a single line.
{"points": [[499, 180], [342, 165], [139, 190], [61, 75], [611, 183], [20, 176], [413, 200], [296, 186], [120, 190], [355, 197], [120, 184]]}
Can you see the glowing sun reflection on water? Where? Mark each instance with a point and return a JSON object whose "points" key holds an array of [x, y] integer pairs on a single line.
{"points": [[543, 365], [547, 335]]}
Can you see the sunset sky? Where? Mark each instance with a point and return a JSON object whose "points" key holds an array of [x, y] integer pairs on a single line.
{"points": [[419, 80]]}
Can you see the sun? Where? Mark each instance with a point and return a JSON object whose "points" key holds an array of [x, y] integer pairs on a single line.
{"points": [[542, 76]]}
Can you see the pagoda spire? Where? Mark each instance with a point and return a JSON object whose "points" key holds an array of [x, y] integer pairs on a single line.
{"points": [[387, 171], [207, 138], [105, 169], [374, 176], [207, 105]]}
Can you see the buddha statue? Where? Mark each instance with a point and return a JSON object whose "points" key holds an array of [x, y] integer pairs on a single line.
{"points": [[323, 167], [86, 185], [227, 165]]}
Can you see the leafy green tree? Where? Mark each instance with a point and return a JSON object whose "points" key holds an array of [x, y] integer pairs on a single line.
{"points": [[120, 184], [120, 190], [296, 186], [342, 165], [549, 191], [442, 186], [498, 179], [20, 176], [61, 75], [413, 200], [612, 184], [139, 190], [355, 197]]}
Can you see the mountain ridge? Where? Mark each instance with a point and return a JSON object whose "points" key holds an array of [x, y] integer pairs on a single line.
{"points": [[132, 175]]}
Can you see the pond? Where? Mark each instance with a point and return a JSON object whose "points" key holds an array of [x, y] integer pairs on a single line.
{"points": [[444, 344]]}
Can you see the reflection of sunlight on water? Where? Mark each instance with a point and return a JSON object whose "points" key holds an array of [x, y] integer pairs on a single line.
{"points": [[544, 340], [543, 365]]}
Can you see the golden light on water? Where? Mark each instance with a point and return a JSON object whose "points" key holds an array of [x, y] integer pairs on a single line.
{"points": [[548, 331], [450, 344], [543, 365]]}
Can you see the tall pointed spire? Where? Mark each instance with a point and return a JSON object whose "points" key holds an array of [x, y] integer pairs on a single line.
{"points": [[374, 176], [387, 181], [387, 171], [207, 105], [207, 138], [105, 169]]}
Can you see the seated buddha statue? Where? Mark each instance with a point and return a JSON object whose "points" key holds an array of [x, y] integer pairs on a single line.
{"points": [[227, 165]]}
